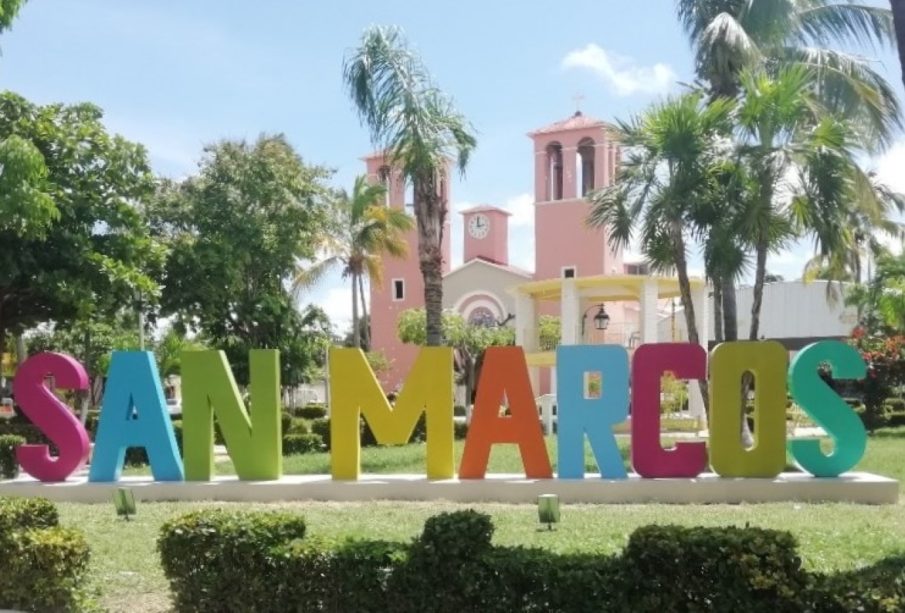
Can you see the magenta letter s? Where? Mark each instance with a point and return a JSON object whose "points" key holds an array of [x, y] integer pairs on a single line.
{"points": [[53, 417]]}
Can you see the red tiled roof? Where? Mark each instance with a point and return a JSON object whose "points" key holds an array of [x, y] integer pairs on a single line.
{"points": [[481, 208], [578, 121]]}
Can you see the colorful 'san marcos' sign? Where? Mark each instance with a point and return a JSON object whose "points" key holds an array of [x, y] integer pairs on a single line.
{"points": [[134, 413]]}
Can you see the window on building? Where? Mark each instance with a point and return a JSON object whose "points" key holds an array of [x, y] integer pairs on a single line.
{"points": [[482, 316], [398, 289], [586, 180], [554, 171], [568, 272]]}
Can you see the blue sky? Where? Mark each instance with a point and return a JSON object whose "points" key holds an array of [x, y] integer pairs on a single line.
{"points": [[176, 75]]}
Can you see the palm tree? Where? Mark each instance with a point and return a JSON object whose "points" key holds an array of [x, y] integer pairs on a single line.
{"points": [[806, 179], [898, 16], [420, 130], [864, 228], [672, 157], [363, 229], [729, 36]]}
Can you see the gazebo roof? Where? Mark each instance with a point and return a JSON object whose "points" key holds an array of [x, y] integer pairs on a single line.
{"points": [[605, 288]]}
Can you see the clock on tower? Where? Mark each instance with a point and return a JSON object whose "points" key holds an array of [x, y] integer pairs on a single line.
{"points": [[479, 226]]}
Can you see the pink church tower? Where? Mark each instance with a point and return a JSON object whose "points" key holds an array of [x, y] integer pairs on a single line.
{"points": [[572, 158], [403, 285]]}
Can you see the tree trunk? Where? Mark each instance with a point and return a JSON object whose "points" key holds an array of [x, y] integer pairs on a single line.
{"points": [[365, 322], [470, 367], [21, 350], [717, 311], [898, 17], [429, 214], [730, 309], [759, 276], [356, 332], [688, 306]]}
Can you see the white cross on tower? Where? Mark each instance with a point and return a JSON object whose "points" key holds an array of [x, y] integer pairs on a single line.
{"points": [[578, 98]]}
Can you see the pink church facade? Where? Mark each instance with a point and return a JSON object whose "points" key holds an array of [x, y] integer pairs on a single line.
{"points": [[572, 158]]}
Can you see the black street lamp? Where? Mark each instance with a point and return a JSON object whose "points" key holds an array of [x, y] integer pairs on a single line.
{"points": [[601, 319]]}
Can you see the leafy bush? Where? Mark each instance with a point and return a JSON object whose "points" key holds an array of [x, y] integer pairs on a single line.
{"points": [[453, 566], [43, 565], [298, 426], [27, 430], [218, 560], [137, 456], [321, 427], [9, 465], [460, 430], [285, 421], [721, 569], [24, 513], [880, 587], [302, 443], [310, 411], [43, 570]]}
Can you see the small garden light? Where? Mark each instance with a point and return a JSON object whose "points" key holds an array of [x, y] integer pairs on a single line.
{"points": [[548, 509], [124, 501]]}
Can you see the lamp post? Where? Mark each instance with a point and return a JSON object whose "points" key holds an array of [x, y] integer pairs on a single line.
{"points": [[601, 319]]}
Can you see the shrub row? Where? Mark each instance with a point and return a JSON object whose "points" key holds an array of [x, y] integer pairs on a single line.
{"points": [[9, 465], [44, 565], [452, 566]]}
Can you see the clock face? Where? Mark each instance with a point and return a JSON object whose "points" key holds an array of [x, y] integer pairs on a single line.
{"points": [[478, 226]]}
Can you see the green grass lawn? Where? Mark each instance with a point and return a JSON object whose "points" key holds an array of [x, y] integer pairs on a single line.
{"points": [[126, 572]]}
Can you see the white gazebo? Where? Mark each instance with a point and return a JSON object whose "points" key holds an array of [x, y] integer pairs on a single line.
{"points": [[632, 302]]}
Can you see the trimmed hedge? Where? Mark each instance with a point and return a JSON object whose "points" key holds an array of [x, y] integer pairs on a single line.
{"points": [[310, 411], [24, 513], [227, 561], [44, 566], [453, 566], [9, 465], [294, 444], [298, 426]]}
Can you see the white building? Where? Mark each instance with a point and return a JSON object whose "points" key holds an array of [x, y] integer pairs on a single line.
{"points": [[793, 312]]}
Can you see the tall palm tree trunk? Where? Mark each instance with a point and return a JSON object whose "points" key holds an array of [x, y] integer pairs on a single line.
{"points": [[730, 309], [691, 323], [717, 311], [356, 332], [429, 217], [366, 327], [898, 17], [758, 299]]}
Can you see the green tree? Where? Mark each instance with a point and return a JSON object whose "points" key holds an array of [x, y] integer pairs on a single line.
{"points": [[361, 231], [730, 36], [9, 10], [468, 340], [420, 129], [235, 234], [549, 332], [75, 248], [881, 301], [806, 180], [92, 341], [168, 350], [674, 149]]}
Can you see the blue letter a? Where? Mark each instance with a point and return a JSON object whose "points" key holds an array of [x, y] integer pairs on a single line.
{"points": [[134, 414]]}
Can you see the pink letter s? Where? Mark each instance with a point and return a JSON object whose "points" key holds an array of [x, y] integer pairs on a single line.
{"points": [[53, 417]]}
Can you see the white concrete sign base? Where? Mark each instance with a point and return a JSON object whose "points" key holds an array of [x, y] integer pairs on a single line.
{"points": [[708, 488]]}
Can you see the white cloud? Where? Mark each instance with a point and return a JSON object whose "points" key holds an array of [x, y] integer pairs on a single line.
{"points": [[622, 74], [890, 166], [522, 209], [337, 302]]}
